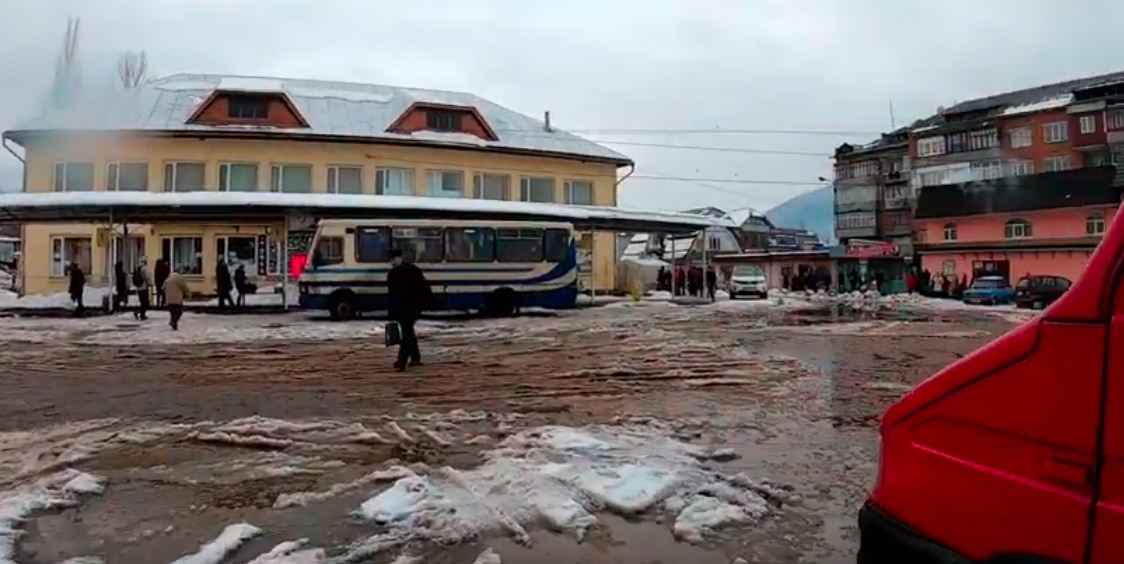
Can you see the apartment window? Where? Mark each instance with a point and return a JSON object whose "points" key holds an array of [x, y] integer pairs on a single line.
{"points": [[491, 186], [127, 176], [74, 177], [1114, 119], [445, 183], [1021, 137], [396, 181], [579, 192], [345, 179], [957, 142], [438, 120], [983, 139], [183, 176], [66, 251], [248, 107], [987, 170], [291, 178], [184, 254], [1017, 229], [1088, 124], [1020, 168], [930, 146], [238, 177], [536, 189], [934, 178], [950, 232], [1056, 164], [1055, 132], [1094, 224]]}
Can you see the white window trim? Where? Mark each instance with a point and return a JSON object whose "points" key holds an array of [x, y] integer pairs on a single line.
{"points": [[568, 192], [525, 188], [1020, 227], [1018, 140], [279, 168], [443, 193], [950, 231], [172, 251], [1060, 129], [1091, 121], [332, 176], [931, 146], [64, 166], [225, 165], [175, 172], [1097, 220], [1050, 167], [113, 168], [1020, 167], [411, 185], [478, 185], [64, 261]]}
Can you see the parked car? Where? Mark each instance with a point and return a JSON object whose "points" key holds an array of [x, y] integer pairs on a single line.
{"points": [[1014, 453], [989, 290], [748, 280], [1040, 291]]}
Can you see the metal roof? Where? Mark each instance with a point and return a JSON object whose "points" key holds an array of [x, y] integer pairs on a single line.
{"points": [[141, 207], [333, 110]]}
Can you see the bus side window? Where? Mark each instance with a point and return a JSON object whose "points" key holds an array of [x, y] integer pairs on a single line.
{"points": [[519, 245], [372, 244], [470, 244], [557, 245], [420, 244]]}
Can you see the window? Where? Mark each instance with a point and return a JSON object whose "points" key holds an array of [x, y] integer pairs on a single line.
{"points": [[491, 186], [70, 250], [1017, 229], [239, 251], [183, 176], [1114, 119], [983, 139], [519, 245], [290, 178], [420, 244], [372, 244], [345, 179], [1094, 224], [397, 181], [238, 177], [470, 244], [128, 253], [443, 121], [948, 268], [957, 142], [950, 232], [329, 250], [536, 189], [1055, 132], [127, 176], [930, 146], [74, 177], [934, 178], [1020, 168], [1021, 137], [1088, 124], [556, 245], [184, 254], [1056, 164], [987, 170], [579, 192], [248, 107], [444, 183]]}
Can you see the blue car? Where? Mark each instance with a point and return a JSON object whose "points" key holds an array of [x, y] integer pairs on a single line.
{"points": [[989, 290]]}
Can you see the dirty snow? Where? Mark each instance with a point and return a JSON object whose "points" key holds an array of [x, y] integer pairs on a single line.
{"points": [[228, 541], [489, 556], [290, 552], [91, 298], [58, 490], [705, 514]]}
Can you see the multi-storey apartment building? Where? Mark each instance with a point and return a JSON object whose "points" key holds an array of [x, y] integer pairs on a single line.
{"points": [[872, 196], [223, 133]]}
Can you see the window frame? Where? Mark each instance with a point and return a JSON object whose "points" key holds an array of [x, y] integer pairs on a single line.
{"points": [[1060, 131], [381, 174], [525, 185], [1095, 219], [1064, 159], [441, 192], [360, 231], [319, 255], [113, 176], [224, 174], [478, 186], [1018, 228], [60, 265], [492, 246], [568, 237], [168, 250], [61, 182], [1090, 120], [1017, 139], [931, 146], [256, 104], [448, 121], [277, 177], [174, 167], [950, 232], [416, 258], [568, 192], [332, 178], [520, 237], [1020, 167]]}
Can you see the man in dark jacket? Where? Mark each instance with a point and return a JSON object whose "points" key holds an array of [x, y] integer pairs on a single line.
{"points": [[409, 294], [711, 283], [162, 272], [223, 284], [121, 299], [77, 286]]}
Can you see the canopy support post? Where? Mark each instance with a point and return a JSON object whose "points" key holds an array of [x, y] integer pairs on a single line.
{"points": [[593, 262], [706, 270], [284, 258], [674, 268]]}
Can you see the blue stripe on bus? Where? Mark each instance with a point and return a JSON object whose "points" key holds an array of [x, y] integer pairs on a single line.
{"points": [[558, 271], [383, 270], [559, 298]]}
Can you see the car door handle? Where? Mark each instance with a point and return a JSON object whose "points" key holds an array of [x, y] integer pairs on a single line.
{"points": [[1070, 472]]}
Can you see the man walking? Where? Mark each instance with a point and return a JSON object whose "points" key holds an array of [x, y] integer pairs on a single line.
{"points": [[712, 283], [409, 294], [223, 284], [77, 287], [143, 284], [175, 290], [162, 273]]}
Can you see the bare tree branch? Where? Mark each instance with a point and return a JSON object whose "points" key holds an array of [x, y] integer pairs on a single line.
{"points": [[132, 68]]}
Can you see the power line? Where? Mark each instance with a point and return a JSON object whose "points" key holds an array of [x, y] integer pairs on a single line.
{"points": [[716, 149], [726, 180], [714, 130]]}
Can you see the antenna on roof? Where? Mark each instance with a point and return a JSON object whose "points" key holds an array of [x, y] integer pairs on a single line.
{"points": [[546, 121]]}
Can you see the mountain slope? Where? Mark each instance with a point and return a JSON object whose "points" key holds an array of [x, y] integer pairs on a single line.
{"points": [[813, 211]]}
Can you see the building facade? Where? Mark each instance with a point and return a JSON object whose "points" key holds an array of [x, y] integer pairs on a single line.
{"points": [[1046, 224], [872, 194], [204, 132]]}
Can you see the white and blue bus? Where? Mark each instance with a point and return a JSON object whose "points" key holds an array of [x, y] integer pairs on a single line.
{"points": [[495, 267]]}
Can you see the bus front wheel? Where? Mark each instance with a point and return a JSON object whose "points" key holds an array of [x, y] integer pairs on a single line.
{"points": [[501, 303], [342, 306]]}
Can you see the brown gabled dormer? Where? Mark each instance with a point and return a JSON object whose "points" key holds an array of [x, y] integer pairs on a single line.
{"points": [[229, 107], [443, 118]]}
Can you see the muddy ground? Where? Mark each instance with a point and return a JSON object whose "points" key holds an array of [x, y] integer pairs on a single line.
{"points": [[795, 393]]}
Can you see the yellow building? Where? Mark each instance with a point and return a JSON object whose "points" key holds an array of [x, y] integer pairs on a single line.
{"points": [[204, 132]]}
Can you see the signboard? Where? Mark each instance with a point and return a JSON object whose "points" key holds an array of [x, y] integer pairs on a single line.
{"points": [[262, 254], [873, 250]]}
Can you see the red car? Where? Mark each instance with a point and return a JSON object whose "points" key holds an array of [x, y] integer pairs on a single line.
{"points": [[1014, 453]]}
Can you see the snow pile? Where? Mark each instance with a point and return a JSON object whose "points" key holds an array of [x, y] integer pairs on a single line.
{"points": [[562, 477], [59, 490], [91, 298], [489, 556], [227, 542], [292, 552]]}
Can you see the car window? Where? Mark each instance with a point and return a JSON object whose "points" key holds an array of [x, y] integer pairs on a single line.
{"points": [[988, 284], [1023, 284], [1063, 283]]}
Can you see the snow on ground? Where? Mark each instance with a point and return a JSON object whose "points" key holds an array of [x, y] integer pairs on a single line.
{"points": [[52, 492], [560, 476], [292, 552], [91, 298], [873, 301], [228, 541], [265, 296]]}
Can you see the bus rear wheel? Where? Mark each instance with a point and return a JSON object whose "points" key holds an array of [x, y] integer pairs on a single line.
{"points": [[341, 306], [501, 303]]}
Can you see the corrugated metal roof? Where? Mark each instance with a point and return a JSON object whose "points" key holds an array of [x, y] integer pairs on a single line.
{"points": [[1032, 95], [332, 109]]}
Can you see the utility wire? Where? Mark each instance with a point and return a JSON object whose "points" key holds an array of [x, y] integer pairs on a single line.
{"points": [[714, 130], [716, 149], [725, 180]]}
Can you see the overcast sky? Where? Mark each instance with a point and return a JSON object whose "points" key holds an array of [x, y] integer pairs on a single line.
{"points": [[597, 65]]}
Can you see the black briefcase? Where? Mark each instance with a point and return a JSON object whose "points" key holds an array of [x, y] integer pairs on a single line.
{"points": [[393, 334]]}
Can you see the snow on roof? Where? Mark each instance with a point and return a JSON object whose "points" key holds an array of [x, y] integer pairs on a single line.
{"points": [[15, 203], [332, 109], [1041, 105]]}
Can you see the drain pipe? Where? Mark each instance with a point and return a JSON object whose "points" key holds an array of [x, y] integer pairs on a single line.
{"points": [[19, 158]]}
